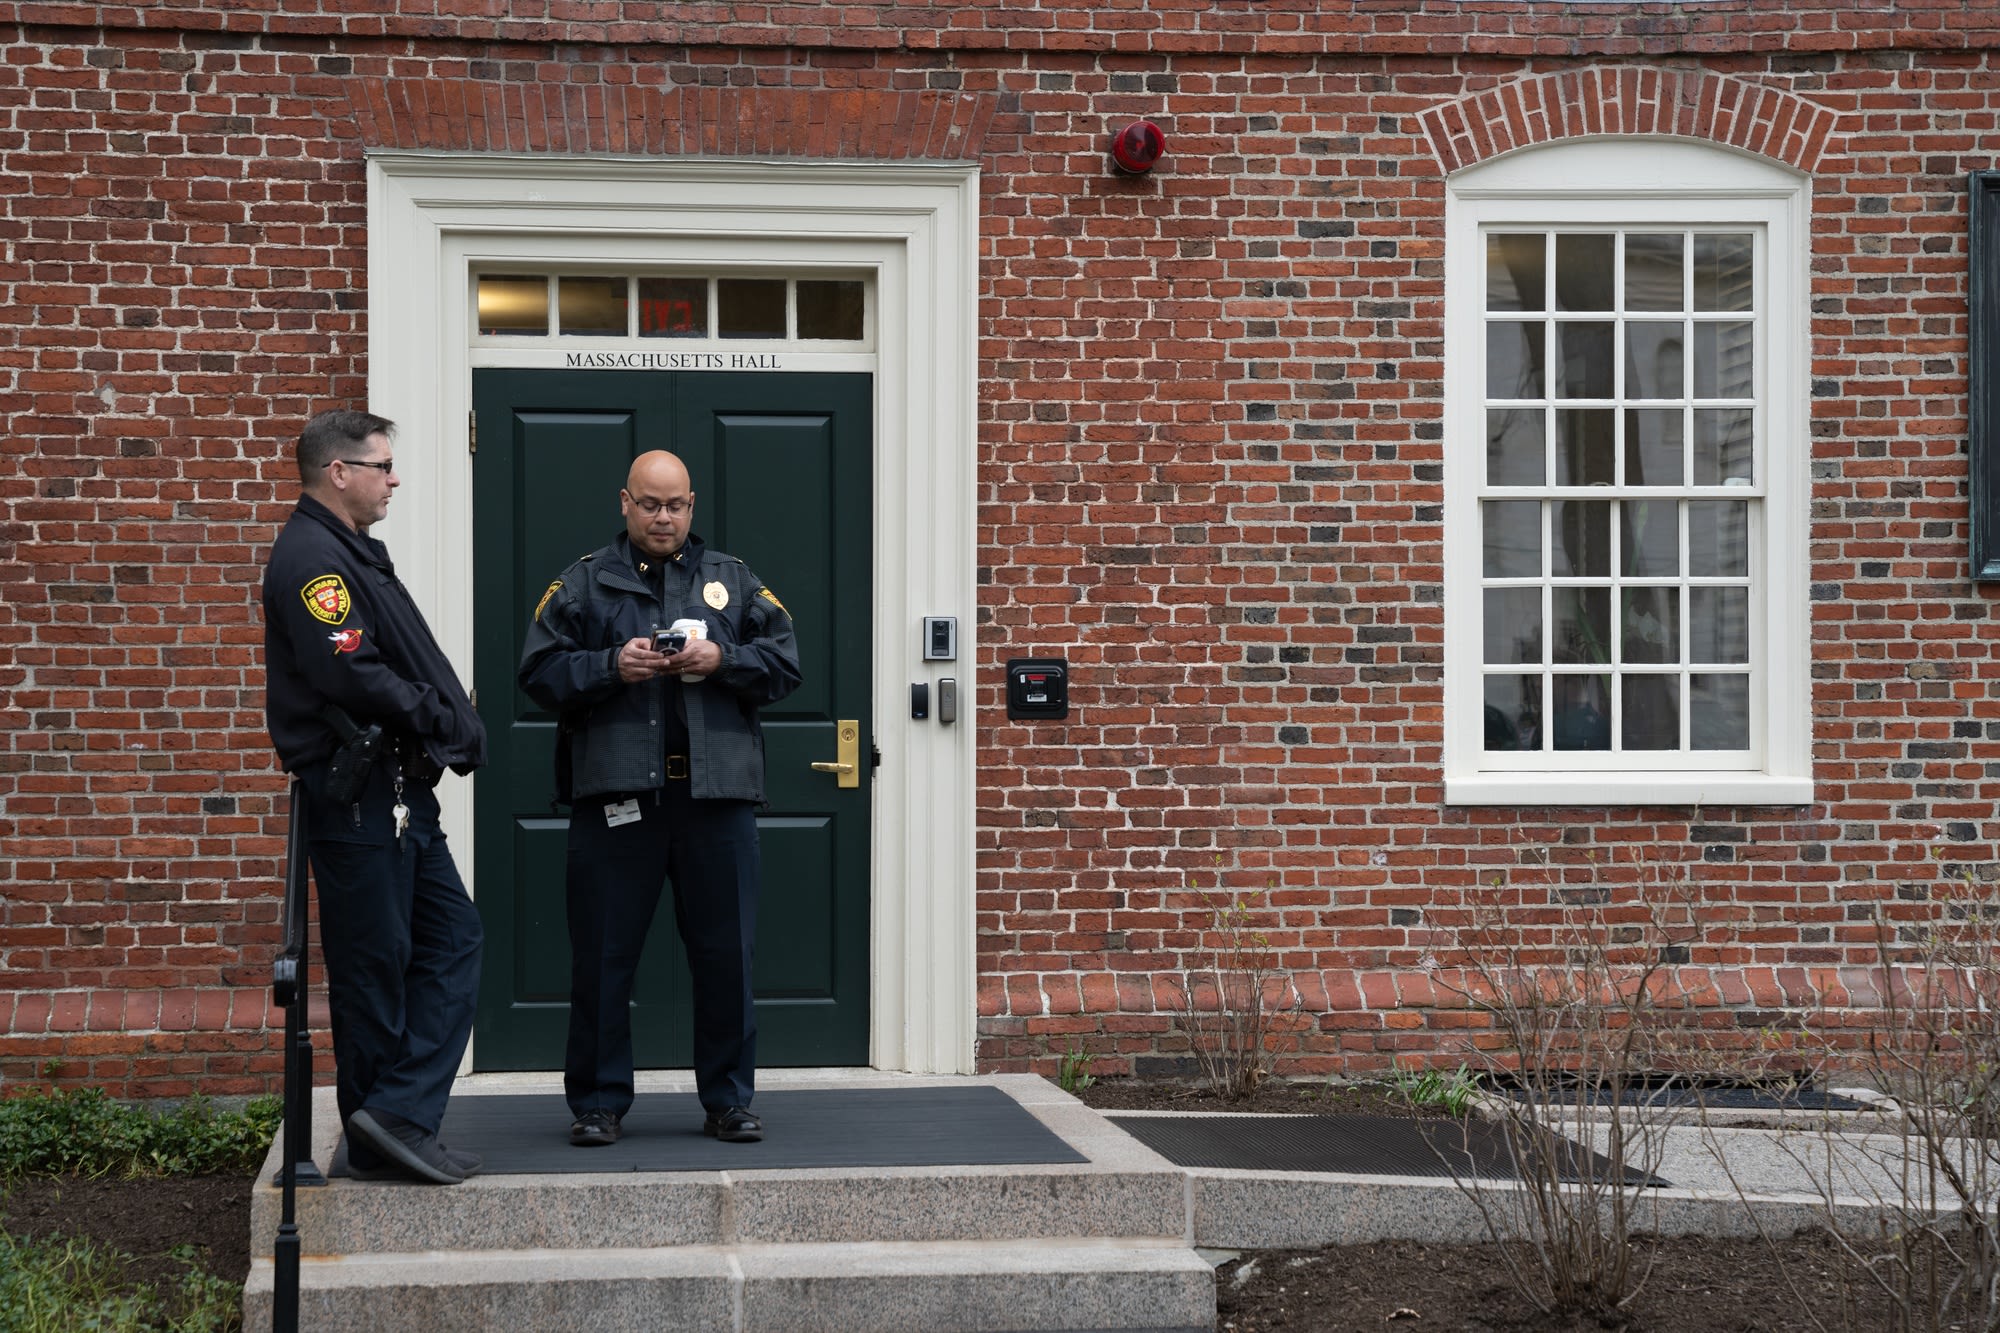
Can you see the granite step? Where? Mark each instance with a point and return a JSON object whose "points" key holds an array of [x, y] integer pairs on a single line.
{"points": [[1100, 1244], [1073, 1283], [1123, 1190], [633, 1210]]}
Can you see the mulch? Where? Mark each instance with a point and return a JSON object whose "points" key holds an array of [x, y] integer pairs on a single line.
{"points": [[145, 1217], [1695, 1284]]}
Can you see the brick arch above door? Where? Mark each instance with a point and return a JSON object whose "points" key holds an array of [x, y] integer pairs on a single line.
{"points": [[620, 119], [1629, 100]]}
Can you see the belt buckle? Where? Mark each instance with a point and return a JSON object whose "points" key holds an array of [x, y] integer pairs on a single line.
{"points": [[677, 767]]}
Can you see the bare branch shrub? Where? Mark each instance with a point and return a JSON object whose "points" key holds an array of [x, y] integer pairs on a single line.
{"points": [[1915, 1205], [1232, 998], [1582, 993]]}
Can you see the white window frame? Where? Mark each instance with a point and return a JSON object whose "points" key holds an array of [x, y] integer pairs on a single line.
{"points": [[1629, 182]]}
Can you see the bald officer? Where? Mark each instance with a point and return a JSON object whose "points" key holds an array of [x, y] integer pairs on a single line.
{"points": [[667, 771]]}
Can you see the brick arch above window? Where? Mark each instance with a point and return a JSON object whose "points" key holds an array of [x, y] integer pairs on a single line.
{"points": [[621, 119], [1629, 100]]}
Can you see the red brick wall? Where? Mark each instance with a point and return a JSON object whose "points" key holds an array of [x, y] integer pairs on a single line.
{"points": [[1209, 465]]}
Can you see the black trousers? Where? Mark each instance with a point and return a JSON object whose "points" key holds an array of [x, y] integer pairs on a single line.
{"points": [[709, 850], [401, 942]]}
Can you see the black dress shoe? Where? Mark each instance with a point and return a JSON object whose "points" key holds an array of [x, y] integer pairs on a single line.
{"points": [[594, 1129], [412, 1148], [734, 1125]]}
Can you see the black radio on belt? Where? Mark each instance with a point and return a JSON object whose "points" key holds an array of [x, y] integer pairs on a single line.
{"points": [[1037, 687]]}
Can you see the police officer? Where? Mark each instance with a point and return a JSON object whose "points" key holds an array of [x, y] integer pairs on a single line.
{"points": [[666, 772], [355, 675]]}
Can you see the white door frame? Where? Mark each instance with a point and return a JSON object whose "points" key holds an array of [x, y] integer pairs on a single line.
{"points": [[912, 229]]}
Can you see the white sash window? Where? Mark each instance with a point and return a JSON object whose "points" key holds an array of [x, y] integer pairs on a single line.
{"points": [[1626, 478]]}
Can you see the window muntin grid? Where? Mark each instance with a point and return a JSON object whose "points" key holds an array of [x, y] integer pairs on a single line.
{"points": [[1620, 508]]}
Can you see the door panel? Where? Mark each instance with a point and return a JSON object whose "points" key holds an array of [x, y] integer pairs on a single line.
{"points": [[793, 469], [779, 465]]}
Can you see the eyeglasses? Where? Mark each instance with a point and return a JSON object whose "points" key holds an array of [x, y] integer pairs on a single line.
{"points": [[675, 508], [385, 467]]}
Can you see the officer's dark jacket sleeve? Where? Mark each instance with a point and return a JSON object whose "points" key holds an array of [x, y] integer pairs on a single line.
{"points": [[561, 669], [764, 667]]}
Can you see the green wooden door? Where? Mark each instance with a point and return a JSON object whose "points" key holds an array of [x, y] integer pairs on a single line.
{"points": [[780, 469]]}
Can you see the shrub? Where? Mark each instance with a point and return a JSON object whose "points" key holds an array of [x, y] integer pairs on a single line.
{"points": [[1233, 998], [1582, 1011], [81, 1131]]}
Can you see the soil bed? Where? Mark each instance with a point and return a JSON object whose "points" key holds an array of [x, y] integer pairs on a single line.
{"points": [[1697, 1285], [144, 1217]]}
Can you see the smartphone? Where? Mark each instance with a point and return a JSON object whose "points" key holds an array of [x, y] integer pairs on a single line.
{"points": [[669, 641]]}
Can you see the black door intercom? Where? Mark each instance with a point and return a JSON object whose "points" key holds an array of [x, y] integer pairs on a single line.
{"points": [[1037, 687]]}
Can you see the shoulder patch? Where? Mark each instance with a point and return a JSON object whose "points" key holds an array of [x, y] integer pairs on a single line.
{"points": [[344, 640], [327, 598], [772, 598], [539, 606]]}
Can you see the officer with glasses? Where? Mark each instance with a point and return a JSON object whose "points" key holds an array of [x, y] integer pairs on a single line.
{"points": [[364, 709], [655, 653]]}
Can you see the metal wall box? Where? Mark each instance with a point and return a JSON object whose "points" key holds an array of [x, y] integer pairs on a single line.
{"points": [[1037, 687]]}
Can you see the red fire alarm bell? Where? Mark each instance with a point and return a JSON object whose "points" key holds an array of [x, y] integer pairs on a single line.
{"points": [[1138, 146]]}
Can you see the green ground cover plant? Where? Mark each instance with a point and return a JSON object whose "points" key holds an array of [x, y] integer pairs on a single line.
{"points": [[80, 1131], [65, 1284], [1452, 1092], [64, 1146]]}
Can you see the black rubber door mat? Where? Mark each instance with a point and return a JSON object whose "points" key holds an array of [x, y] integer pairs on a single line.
{"points": [[528, 1134], [1370, 1145]]}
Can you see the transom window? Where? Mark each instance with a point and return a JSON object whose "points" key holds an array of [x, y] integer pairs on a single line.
{"points": [[694, 307], [1625, 565]]}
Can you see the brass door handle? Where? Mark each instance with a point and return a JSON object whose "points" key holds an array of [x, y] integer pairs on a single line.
{"points": [[846, 764]]}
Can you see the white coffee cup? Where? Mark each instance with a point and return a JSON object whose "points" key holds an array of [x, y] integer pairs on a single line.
{"points": [[694, 629]]}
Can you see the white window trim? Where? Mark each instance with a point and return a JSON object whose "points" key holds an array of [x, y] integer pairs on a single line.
{"points": [[1605, 176], [911, 230]]}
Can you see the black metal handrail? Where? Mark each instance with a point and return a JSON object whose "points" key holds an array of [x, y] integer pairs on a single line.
{"points": [[289, 990]]}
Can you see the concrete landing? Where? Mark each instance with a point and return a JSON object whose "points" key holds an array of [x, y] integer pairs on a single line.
{"points": [[1098, 1245], [1735, 1178]]}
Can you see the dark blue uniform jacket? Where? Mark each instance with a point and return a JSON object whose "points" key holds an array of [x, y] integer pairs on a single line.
{"points": [[619, 732], [340, 627]]}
